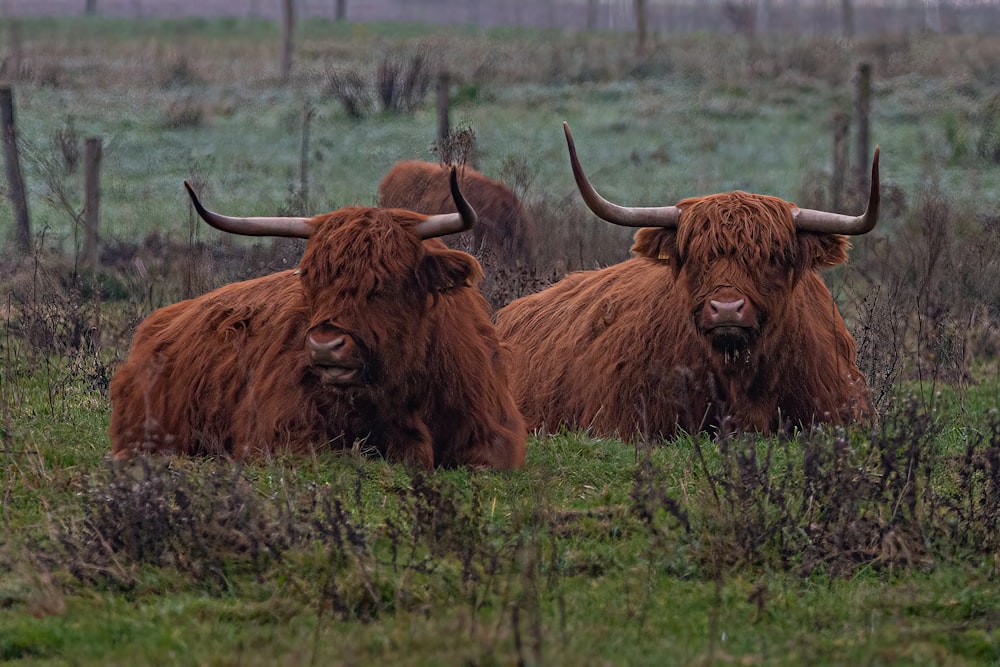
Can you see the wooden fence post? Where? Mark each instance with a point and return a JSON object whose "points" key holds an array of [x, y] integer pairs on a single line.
{"points": [[92, 201], [15, 180], [841, 161], [591, 14], [443, 102], [287, 23], [640, 28], [847, 18], [307, 115], [863, 110]]}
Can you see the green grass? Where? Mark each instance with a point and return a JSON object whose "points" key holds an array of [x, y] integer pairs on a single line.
{"points": [[562, 541]]}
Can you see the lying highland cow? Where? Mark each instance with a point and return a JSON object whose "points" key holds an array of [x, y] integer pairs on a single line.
{"points": [[379, 337], [720, 320], [503, 226]]}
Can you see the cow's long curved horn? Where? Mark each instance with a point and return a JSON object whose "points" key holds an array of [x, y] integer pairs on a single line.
{"points": [[450, 223], [810, 220], [627, 216], [293, 227]]}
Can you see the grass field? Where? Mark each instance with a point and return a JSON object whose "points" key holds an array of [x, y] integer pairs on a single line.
{"points": [[864, 546]]}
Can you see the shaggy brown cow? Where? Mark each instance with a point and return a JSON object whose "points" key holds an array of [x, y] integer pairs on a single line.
{"points": [[504, 229], [720, 320], [378, 338]]}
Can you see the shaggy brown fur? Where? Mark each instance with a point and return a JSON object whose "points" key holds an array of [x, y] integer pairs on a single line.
{"points": [[625, 350], [504, 231], [229, 373]]}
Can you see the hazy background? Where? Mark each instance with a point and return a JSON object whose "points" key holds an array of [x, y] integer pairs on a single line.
{"points": [[815, 17]]}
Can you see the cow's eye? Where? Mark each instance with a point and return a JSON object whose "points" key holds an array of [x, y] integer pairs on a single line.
{"points": [[382, 292]]}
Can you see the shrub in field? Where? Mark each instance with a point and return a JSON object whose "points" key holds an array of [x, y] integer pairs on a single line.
{"points": [[351, 88], [970, 502], [430, 540], [402, 80], [50, 305], [178, 72], [988, 146], [833, 501], [156, 514], [183, 111], [399, 83], [931, 304]]}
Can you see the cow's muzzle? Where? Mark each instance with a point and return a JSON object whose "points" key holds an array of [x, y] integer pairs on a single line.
{"points": [[335, 355], [730, 321]]}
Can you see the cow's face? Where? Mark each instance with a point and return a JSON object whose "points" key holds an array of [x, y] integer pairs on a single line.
{"points": [[737, 258], [369, 281]]}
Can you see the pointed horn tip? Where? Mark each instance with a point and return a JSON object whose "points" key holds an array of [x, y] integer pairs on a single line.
{"points": [[191, 192]]}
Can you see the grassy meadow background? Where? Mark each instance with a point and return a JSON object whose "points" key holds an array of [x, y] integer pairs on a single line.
{"points": [[871, 545]]}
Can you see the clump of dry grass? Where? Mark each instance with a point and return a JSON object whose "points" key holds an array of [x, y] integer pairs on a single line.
{"points": [[155, 513], [182, 112], [399, 83], [832, 501], [926, 304]]}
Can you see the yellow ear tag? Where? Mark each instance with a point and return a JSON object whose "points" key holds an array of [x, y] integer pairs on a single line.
{"points": [[663, 255]]}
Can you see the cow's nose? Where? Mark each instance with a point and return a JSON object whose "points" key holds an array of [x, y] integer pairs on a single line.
{"points": [[331, 346], [723, 313]]}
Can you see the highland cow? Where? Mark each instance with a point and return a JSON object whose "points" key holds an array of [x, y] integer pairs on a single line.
{"points": [[378, 340], [504, 229], [720, 321]]}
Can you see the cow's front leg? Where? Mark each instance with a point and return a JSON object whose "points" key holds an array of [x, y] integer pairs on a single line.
{"points": [[409, 441]]}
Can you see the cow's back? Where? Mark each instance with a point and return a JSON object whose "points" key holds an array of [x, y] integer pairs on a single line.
{"points": [[191, 365], [503, 230], [588, 350]]}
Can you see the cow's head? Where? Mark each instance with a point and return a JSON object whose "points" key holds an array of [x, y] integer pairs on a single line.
{"points": [[368, 275], [738, 255]]}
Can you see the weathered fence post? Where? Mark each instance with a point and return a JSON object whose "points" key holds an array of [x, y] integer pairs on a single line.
{"points": [[10, 65], [287, 23], [863, 109], [591, 14], [90, 8], [762, 18], [847, 18], [15, 180], [443, 102], [341, 11], [307, 115], [640, 28], [92, 201], [841, 130]]}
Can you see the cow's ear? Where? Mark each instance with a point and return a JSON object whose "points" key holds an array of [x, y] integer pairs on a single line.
{"points": [[443, 269], [822, 251], [657, 243]]}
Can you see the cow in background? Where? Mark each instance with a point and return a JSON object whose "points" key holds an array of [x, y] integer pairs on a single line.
{"points": [[720, 320], [503, 241], [379, 339]]}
